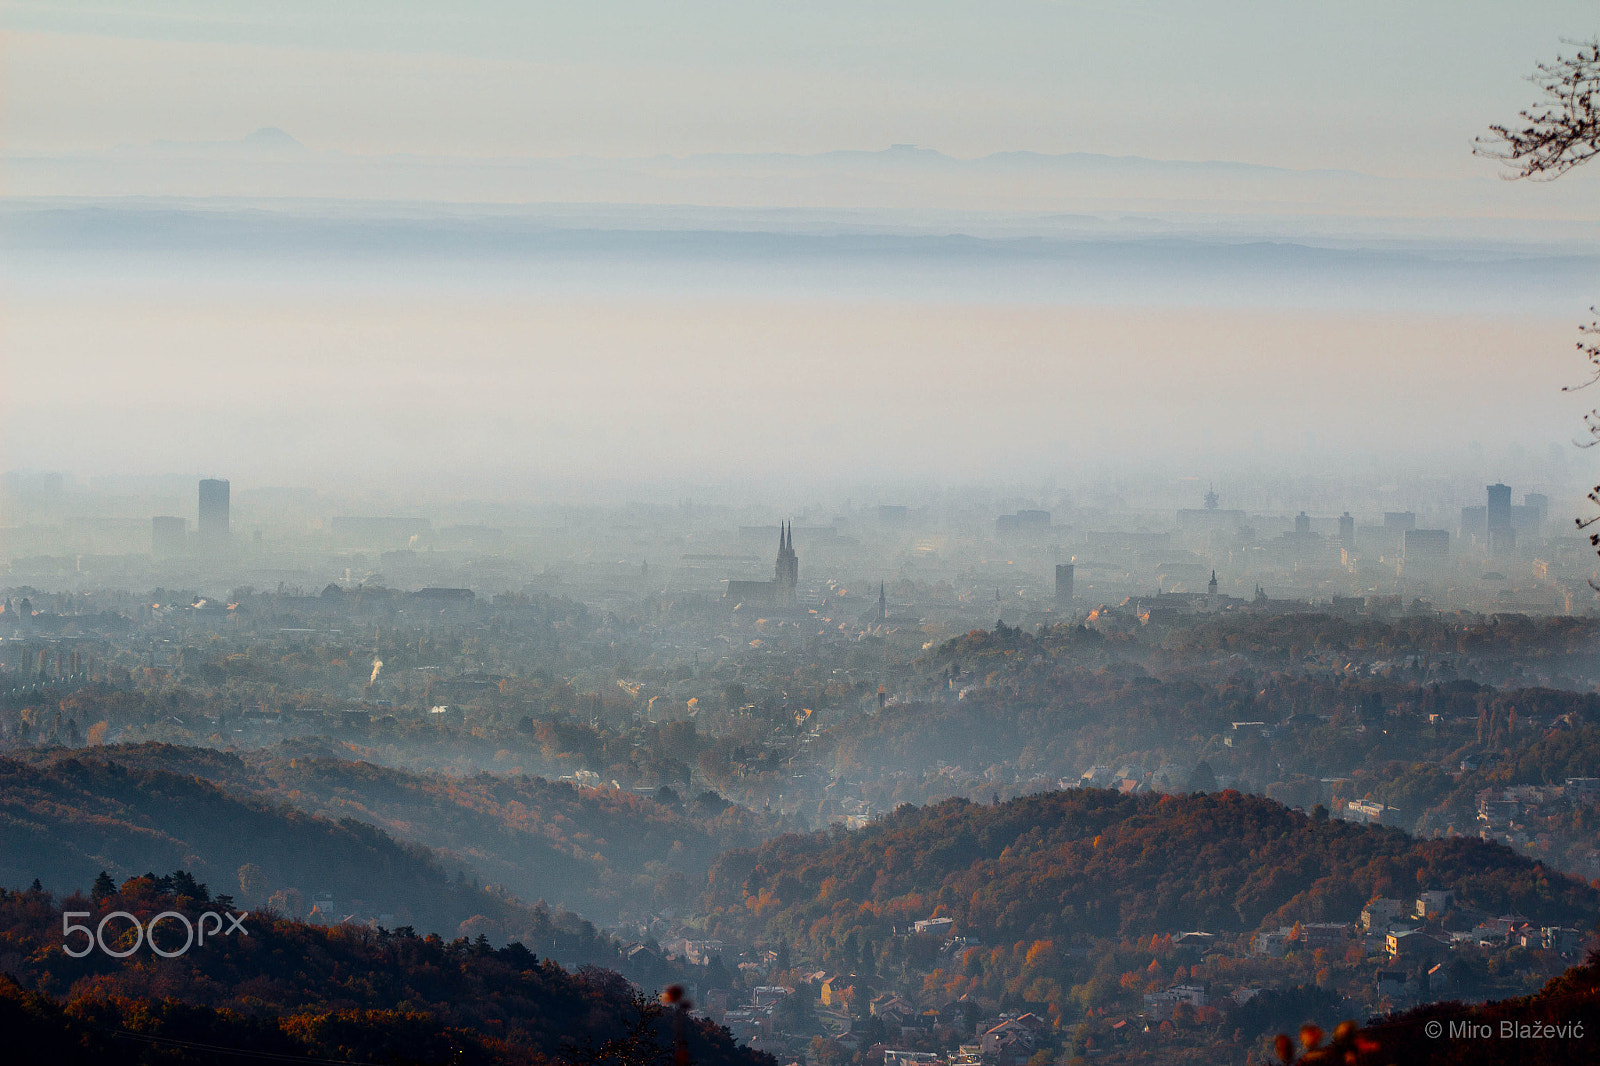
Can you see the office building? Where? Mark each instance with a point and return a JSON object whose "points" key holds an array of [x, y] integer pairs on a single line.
{"points": [[1528, 519], [213, 529], [1502, 536], [1427, 544], [1064, 577]]}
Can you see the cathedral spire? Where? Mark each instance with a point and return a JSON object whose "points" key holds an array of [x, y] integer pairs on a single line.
{"points": [[785, 575]]}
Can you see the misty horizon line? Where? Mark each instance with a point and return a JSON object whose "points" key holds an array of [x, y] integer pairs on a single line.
{"points": [[275, 136], [1258, 489]]}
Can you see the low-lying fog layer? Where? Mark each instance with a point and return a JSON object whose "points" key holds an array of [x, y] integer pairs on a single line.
{"points": [[367, 341]]}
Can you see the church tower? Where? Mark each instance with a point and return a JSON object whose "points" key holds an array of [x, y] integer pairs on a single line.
{"points": [[786, 573]]}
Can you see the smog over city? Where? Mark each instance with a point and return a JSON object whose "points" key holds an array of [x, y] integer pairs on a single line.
{"points": [[1020, 534]]}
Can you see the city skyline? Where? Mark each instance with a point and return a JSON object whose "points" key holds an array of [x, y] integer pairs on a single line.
{"points": [[916, 533]]}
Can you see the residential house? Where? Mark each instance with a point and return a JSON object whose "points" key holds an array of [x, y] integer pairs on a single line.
{"points": [[1009, 1043], [838, 991], [1495, 810], [1562, 940], [894, 1009], [1370, 813], [1326, 936], [1413, 944], [893, 1057], [1434, 902], [1160, 1005], [769, 995], [1273, 945], [642, 955], [1380, 914], [1583, 791], [1391, 982]]}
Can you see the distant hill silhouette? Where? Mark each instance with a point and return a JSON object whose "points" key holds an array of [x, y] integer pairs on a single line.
{"points": [[66, 821], [271, 137], [583, 848]]}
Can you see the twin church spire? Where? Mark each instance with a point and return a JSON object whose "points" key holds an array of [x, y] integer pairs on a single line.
{"points": [[786, 574]]}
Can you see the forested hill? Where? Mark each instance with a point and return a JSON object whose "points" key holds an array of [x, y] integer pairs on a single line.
{"points": [[287, 990], [65, 822], [607, 853], [1084, 864]]}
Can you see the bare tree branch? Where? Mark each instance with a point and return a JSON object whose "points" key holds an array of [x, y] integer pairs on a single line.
{"points": [[1560, 132]]}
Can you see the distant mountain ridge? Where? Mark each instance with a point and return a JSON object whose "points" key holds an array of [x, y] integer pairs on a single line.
{"points": [[911, 154], [271, 162], [273, 137], [662, 252], [267, 138]]}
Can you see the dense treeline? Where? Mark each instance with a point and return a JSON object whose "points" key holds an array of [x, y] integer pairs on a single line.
{"points": [[345, 993], [1035, 709], [1509, 636], [1436, 798], [1056, 719], [1271, 639]]}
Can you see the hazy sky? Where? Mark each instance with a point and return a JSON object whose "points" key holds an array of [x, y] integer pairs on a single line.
{"points": [[297, 342], [286, 386], [1391, 88]]}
